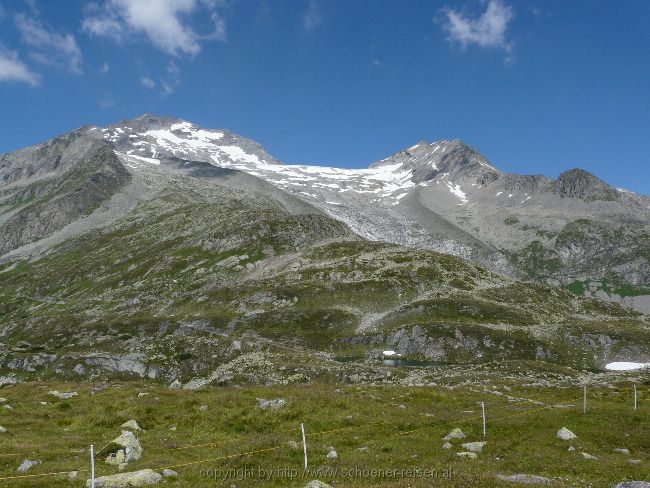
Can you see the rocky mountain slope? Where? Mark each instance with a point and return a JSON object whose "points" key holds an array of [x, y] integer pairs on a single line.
{"points": [[159, 249], [575, 231]]}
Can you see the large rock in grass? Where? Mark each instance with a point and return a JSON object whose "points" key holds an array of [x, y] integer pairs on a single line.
{"points": [[27, 465], [63, 395], [131, 424], [474, 446], [317, 484], [276, 404], [144, 477], [455, 434], [124, 449], [525, 479], [633, 484], [467, 455], [565, 434]]}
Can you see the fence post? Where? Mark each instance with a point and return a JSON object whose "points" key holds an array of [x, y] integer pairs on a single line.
{"points": [[584, 400], [92, 466], [635, 398], [483, 410], [304, 443]]}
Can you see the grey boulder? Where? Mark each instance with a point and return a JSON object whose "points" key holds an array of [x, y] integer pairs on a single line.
{"points": [[525, 479], [133, 479], [27, 465], [317, 484], [276, 404]]}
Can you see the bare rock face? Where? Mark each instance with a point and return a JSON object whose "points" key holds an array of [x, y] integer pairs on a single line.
{"points": [[578, 183], [44, 206]]}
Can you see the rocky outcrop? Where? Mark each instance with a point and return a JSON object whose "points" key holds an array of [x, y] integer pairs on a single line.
{"points": [[578, 183], [132, 363]]}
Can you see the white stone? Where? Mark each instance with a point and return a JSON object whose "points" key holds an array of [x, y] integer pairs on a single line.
{"points": [[276, 404], [565, 434], [467, 454], [317, 484], [525, 479], [26, 465], [474, 446], [454, 434], [63, 395]]}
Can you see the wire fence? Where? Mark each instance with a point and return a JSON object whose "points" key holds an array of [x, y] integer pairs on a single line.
{"points": [[578, 403]]}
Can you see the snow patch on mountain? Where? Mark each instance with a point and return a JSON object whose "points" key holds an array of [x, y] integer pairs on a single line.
{"points": [[456, 190]]}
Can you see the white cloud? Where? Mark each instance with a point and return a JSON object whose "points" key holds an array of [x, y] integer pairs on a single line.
{"points": [[104, 68], [172, 80], [164, 22], [47, 46], [148, 83], [487, 30], [312, 17], [13, 69]]}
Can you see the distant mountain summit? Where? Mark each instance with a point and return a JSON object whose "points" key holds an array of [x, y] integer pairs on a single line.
{"points": [[574, 231]]}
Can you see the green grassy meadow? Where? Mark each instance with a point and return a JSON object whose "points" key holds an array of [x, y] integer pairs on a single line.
{"points": [[397, 428]]}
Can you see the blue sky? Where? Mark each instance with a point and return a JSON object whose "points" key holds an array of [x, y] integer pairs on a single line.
{"points": [[537, 87]]}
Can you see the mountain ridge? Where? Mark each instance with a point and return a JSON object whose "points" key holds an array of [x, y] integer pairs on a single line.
{"points": [[444, 196]]}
